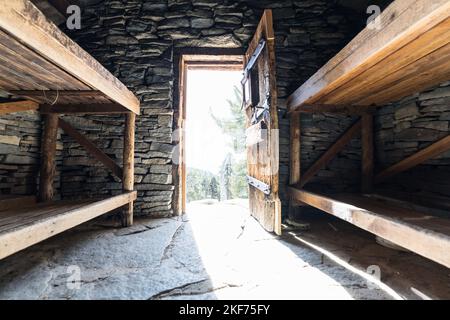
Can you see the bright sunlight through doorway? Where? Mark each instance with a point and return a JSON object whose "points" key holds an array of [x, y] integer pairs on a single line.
{"points": [[215, 137]]}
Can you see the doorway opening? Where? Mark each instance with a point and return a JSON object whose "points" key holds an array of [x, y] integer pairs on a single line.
{"points": [[213, 161]]}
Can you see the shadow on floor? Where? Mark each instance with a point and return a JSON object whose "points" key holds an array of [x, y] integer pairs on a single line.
{"points": [[409, 275], [216, 251]]}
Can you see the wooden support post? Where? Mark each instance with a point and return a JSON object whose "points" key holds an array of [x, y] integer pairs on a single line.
{"points": [[367, 153], [295, 153], [47, 173], [128, 166], [295, 150]]}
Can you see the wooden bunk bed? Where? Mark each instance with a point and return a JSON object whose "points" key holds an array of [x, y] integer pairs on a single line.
{"points": [[407, 52], [42, 69]]}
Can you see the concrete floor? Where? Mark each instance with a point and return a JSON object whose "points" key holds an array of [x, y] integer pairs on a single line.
{"points": [[215, 252]]}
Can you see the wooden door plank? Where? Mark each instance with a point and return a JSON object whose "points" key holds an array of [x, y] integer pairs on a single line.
{"points": [[263, 156], [255, 133]]}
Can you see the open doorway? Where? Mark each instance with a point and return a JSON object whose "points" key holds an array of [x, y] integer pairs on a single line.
{"points": [[259, 104], [213, 167]]}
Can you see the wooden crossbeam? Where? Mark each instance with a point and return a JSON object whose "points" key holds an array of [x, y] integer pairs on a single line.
{"points": [[53, 93], [331, 152], [429, 152], [334, 108], [91, 148], [18, 106], [98, 108]]}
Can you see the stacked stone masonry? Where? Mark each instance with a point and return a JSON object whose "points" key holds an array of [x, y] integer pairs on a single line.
{"points": [[138, 41]]}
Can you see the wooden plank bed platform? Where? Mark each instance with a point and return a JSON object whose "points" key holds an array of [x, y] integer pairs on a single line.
{"points": [[39, 62], [42, 69], [418, 231], [406, 52], [403, 52], [21, 228]]}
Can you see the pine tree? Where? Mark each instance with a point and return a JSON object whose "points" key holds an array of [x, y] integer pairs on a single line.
{"points": [[233, 183], [214, 189], [234, 126]]}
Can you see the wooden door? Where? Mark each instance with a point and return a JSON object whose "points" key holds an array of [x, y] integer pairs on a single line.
{"points": [[260, 105]]}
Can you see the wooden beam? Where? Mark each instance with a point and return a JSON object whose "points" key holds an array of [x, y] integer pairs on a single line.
{"points": [[331, 152], [90, 147], [13, 202], [367, 153], [295, 153], [429, 152], [333, 108], [35, 224], [22, 20], [98, 108], [402, 26], [48, 165], [18, 106], [128, 166], [295, 158], [54, 93], [415, 231]]}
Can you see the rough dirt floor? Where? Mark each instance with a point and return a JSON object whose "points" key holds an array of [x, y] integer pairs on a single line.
{"points": [[215, 252]]}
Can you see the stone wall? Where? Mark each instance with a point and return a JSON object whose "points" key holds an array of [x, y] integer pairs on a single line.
{"points": [[318, 132], [405, 127], [136, 41], [20, 137]]}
